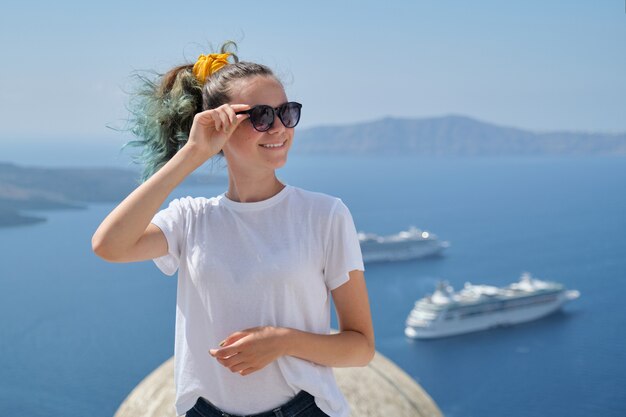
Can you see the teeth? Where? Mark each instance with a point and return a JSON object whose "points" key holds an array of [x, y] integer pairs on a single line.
{"points": [[273, 145]]}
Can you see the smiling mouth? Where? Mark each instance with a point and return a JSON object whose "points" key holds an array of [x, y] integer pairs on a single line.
{"points": [[273, 145]]}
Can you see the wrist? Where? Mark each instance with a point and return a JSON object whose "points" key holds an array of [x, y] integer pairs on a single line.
{"points": [[285, 338], [192, 153]]}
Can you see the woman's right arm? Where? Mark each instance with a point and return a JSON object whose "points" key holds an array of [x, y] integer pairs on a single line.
{"points": [[126, 234]]}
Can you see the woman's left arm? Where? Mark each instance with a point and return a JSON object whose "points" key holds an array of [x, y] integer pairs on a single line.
{"points": [[252, 349], [354, 344]]}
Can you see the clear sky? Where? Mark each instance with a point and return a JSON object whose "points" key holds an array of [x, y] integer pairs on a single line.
{"points": [[535, 64]]}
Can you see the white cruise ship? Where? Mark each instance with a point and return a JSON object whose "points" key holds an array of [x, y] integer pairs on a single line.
{"points": [[479, 307], [408, 244]]}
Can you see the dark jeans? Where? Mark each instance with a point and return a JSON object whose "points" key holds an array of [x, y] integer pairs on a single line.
{"points": [[302, 405]]}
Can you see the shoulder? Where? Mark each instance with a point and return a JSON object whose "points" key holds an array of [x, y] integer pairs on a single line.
{"points": [[316, 200], [192, 205]]}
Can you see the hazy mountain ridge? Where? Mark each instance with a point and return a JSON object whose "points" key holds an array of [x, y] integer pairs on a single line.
{"points": [[453, 136]]}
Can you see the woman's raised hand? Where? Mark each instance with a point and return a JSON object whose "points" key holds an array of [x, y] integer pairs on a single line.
{"points": [[212, 128]]}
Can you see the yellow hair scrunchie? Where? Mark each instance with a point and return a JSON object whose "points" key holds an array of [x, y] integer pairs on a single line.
{"points": [[206, 65]]}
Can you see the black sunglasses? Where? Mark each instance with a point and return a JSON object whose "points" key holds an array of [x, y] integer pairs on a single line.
{"points": [[262, 116]]}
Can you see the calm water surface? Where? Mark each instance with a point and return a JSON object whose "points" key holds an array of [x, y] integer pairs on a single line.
{"points": [[77, 334]]}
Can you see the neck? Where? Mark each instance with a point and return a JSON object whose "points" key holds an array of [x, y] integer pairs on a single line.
{"points": [[252, 188]]}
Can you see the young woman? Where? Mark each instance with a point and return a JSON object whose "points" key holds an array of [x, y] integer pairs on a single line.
{"points": [[256, 265]]}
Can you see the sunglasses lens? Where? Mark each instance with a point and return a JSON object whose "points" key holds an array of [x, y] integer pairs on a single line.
{"points": [[262, 118], [289, 114]]}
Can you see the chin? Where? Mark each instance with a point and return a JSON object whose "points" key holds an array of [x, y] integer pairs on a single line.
{"points": [[279, 163], [279, 160]]}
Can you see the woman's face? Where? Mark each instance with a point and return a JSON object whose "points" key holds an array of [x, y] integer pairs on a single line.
{"points": [[245, 150]]}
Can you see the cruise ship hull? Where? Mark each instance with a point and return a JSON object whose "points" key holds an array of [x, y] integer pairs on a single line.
{"points": [[456, 325], [407, 244], [402, 251]]}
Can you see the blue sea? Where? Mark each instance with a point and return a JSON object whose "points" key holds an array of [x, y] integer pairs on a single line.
{"points": [[77, 334]]}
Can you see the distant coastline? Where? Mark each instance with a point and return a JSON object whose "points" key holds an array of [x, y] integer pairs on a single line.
{"points": [[36, 188], [13, 218], [39, 188]]}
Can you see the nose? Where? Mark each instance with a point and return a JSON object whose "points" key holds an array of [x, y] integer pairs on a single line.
{"points": [[277, 126]]}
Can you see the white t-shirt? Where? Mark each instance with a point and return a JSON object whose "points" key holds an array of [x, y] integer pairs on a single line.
{"points": [[242, 265]]}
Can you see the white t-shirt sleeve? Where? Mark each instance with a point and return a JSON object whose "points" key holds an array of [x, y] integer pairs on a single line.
{"points": [[171, 221], [343, 251]]}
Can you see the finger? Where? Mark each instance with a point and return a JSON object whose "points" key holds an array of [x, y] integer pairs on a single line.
{"points": [[226, 352], [225, 121], [240, 117], [232, 338], [239, 367], [205, 117], [217, 354], [232, 117], [208, 114], [247, 371], [217, 121], [231, 360], [240, 107]]}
